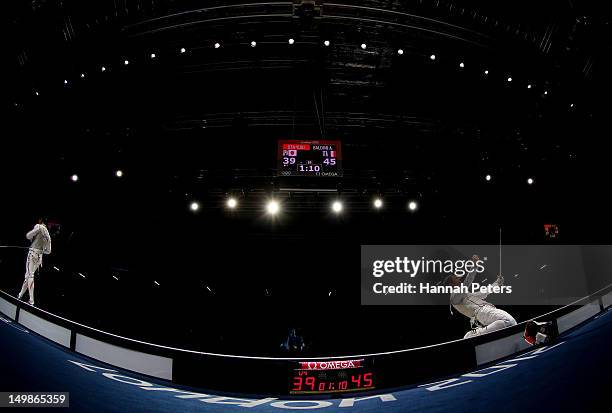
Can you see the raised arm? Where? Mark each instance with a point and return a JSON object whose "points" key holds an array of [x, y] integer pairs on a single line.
{"points": [[30, 235], [498, 282], [469, 278]]}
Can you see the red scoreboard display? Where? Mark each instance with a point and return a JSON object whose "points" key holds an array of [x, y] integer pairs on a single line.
{"points": [[309, 158], [336, 376]]}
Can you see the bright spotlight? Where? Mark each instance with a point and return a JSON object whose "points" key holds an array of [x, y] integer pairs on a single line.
{"points": [[363, 46], [232, 203], [509, 79], [432, 57], [65, 82], [337, 207], [326, 42], [488, 177], [412, 206], [530, 181], [486, 72], [253, 43], [183, 50], [194, 206], [36, 93], [82, 75], [118, 173], [153, 55], [461, 65], [74, 178], [400, 51], [273, 207], [291, 41], [126, 62], [217, 45], [103, 69], [378, 203], [546, 92]]}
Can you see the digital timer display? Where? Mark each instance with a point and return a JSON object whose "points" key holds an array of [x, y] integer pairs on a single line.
{"points": [[316, 377], [309, 158]]}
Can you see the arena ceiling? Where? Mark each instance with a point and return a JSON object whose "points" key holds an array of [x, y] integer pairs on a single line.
{"points": [[426, 96], [516, 90]]}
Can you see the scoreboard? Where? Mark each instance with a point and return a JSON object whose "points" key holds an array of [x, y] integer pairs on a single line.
{"points": [[325, 377], [309, 158]]}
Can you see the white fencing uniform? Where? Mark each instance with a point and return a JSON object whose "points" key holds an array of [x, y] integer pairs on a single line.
{"points": [[41, 244], [473, 306]]}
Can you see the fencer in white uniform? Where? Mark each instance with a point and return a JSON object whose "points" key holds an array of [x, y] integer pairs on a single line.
{"points": [[484, 316], [41, 244]]}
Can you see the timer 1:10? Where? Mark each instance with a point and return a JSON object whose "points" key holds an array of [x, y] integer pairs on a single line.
{"points": [[309, 383]]}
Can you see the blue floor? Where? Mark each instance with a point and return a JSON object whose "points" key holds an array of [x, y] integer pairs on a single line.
{"points": [[573, 375]]}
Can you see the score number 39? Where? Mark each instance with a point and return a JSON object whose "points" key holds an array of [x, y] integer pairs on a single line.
{"points": [[309, 383]]}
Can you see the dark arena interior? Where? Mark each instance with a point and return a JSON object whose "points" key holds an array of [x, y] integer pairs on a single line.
{"points": [[218, 179]]}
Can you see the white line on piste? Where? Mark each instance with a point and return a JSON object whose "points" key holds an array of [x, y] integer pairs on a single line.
{"points": [[234, 356]]}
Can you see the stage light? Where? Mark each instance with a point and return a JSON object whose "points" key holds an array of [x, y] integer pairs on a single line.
{"points": [[65, 81], [119, 173], [291, 41], [253, 43], [529, 86], [74, 178], [153, 55], [82, 75], [413, 206], [363, 46], [486, 72], [571, 105], [217, 45], [194, 206], [156, 283], [530, 181], [509, 79], [337, 207], [400, 52], [126, 62], [183, 50], [488, 177], [432, 57], [378, 203], [273, 207], [115, 277], [461, 65], [36, 93], [232, 203], [326, 42], [103, 69], [546, 92]]}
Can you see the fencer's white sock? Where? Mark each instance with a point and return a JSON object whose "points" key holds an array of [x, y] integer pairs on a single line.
{"points": [[32, 295], [23, 289]]}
